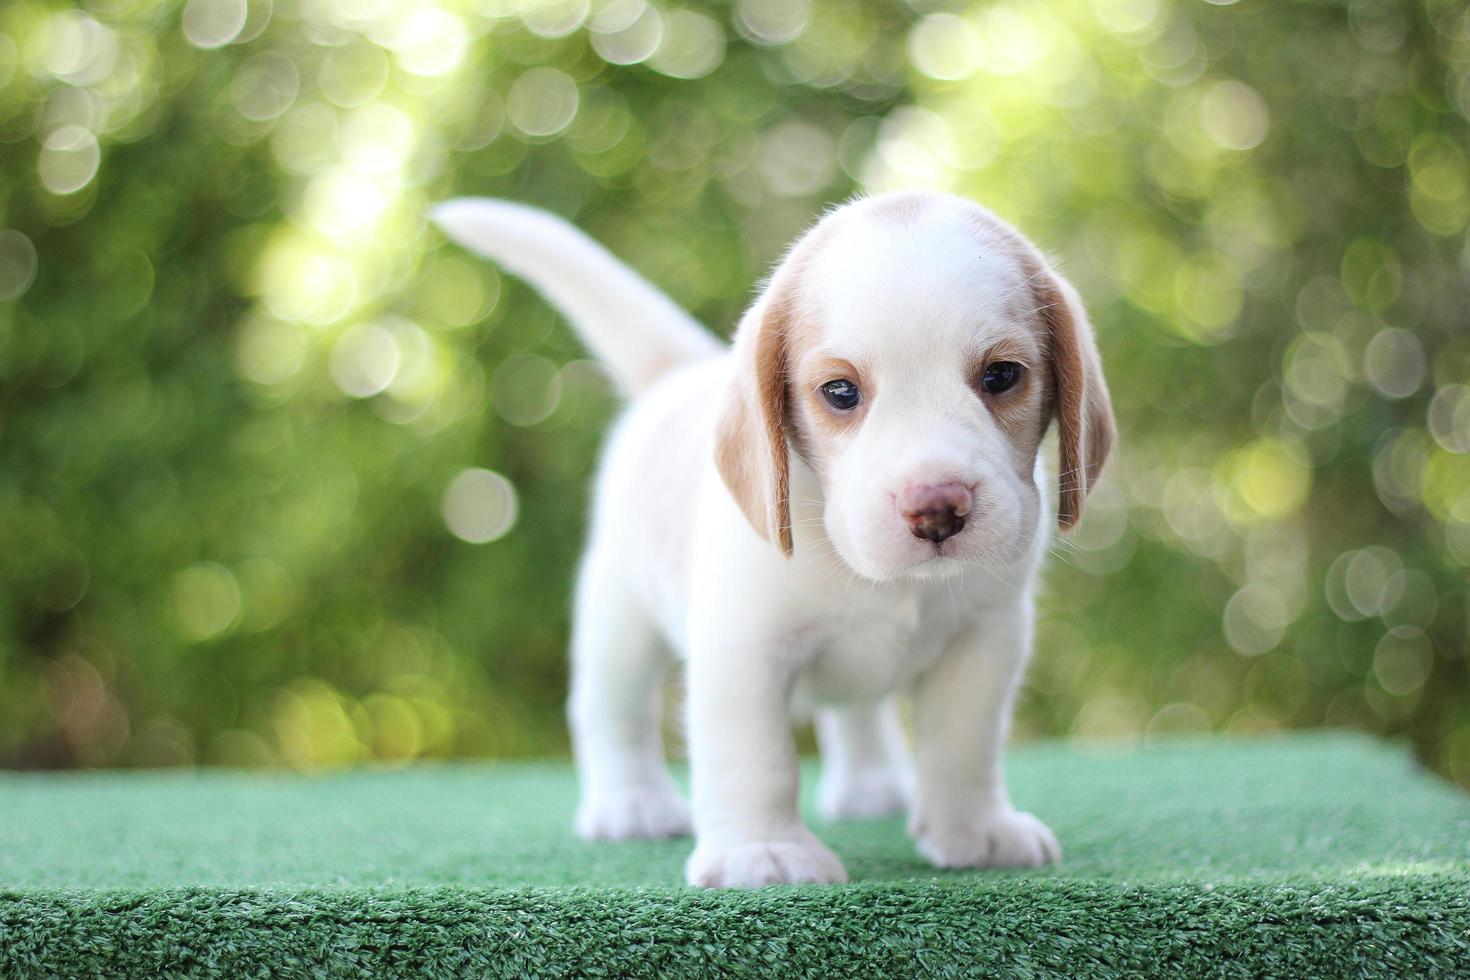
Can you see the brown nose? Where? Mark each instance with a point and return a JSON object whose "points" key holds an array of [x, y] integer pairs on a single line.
{"points": [[935, 511]]}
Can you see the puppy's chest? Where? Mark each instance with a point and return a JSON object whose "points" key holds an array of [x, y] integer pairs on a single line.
{"points": [[870, 648]]}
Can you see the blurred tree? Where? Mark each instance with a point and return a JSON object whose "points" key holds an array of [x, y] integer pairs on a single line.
{"points": [[286, 480]]}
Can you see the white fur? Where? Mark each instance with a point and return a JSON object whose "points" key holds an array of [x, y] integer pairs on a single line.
{"points": [[860, 613]]}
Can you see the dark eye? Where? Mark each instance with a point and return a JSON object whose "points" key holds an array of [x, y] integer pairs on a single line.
{"points": [[842, 395], [1000, 376]]}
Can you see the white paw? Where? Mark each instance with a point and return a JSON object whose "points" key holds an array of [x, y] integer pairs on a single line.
{"points": [[1001, 838], [766, 863], [862, 794], [633, 814]]}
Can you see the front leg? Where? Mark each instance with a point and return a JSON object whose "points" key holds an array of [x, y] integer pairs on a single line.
{"points": [[963, 816], [744, 773]]}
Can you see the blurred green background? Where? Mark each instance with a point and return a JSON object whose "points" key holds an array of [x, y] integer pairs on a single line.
{"points": [[287, 480]]}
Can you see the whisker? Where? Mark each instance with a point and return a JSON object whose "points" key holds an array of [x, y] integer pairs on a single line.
{"points": [[1061, 558]]}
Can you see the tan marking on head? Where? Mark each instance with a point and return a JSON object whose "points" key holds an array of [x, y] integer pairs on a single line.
{"points": [[1023, 411], [813, 369], [1084, 412], [1077, 394], [751, 438]]}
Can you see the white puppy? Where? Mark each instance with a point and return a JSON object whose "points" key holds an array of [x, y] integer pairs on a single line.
{"points": [[844, 507]]}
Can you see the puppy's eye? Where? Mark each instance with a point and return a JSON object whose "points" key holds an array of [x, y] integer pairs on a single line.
{"points": [[842, 395], [1000, 376]]}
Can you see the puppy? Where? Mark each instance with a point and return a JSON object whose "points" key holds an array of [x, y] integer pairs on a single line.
{"points": [[845, 507]]}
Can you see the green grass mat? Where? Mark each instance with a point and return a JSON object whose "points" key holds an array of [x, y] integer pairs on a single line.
{"points": [[1311, 854]]}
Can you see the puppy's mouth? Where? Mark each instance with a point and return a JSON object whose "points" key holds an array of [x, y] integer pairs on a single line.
{"points": [[933, 567], [935, 559], [953, 555]]}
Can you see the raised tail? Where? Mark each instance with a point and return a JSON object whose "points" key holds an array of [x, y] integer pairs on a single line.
{"points": [[627, 322]]}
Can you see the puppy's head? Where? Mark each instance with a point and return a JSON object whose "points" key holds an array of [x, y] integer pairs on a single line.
{"points": [[913, 349]]}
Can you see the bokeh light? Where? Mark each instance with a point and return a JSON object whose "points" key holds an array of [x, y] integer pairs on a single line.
{"points": [[214, 23], [69, 160], [542, 102], [17, 264], [480, 506]]}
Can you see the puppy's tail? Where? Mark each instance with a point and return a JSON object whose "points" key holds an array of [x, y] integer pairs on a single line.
{"points": [[627, 322]]}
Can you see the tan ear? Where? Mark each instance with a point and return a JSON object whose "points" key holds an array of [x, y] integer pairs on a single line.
{"points": [[1084, 411], [750, 439]]}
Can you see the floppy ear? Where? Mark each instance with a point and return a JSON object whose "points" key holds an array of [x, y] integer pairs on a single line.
{"points": [[750, 439], [1083, 410]]}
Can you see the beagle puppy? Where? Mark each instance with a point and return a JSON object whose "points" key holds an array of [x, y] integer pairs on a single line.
{"points": [[845, 507]]}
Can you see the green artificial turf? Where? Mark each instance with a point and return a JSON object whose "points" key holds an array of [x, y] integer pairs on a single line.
{"points": [[1291, 856]]}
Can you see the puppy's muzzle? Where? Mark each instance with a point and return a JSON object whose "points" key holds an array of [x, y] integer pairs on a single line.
{"points": [[935, 512]]}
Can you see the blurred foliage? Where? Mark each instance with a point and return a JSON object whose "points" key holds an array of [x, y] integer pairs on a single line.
{"points": [[284, 479]]}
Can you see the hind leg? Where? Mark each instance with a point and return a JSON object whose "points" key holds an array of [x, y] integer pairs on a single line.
{"points": [[615, 710], [866, 769]]}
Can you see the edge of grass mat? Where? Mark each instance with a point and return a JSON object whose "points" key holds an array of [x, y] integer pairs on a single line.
{"points": [[1386, 925]]}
